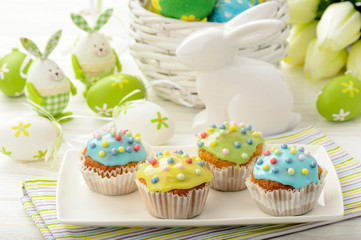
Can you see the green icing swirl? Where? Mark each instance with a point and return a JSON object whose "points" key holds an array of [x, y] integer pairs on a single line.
{"points": [[217, 140]]}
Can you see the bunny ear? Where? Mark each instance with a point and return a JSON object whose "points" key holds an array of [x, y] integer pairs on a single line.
{"points": [[80, 22], [262, 11], [31, 47], [103, 19], [249, 33], [53, 41]]}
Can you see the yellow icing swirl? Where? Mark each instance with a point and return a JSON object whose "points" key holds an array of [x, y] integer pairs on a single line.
{"points": [[173, 171]]}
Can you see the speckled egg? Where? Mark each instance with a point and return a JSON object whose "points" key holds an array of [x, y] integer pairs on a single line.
{"points": [[13, 70], [154, 123], [105, 94], [225, 10], [187, 10], [26, 136], [340, 99]]}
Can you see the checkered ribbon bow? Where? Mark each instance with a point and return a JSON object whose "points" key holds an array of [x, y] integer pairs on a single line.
{"points": [[83, 24]]}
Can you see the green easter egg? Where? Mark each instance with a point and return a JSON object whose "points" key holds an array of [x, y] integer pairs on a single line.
{"points": [[105, 94], [340, 99], [188, 10], [13, 69]]}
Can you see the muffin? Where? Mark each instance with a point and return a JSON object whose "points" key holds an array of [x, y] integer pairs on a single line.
{"points": [[229, 152], [110, 160], [174, 185], [286, 181]]}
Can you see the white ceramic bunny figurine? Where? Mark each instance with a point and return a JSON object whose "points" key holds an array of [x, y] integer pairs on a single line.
{"points": [[93, 58], [236, 88], [46, 83]]}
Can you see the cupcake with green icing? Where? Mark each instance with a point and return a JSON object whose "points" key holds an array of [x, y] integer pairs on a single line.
{"points": [[110, 160], [229, 151], [286, 181], [174, 185]]}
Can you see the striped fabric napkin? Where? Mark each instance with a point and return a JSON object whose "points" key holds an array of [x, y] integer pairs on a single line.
{"points": [[39, 202]]}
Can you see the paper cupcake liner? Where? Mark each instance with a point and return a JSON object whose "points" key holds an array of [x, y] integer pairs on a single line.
{"points": [[230, 179], [173, 206], [286, 202], [114, 183]]}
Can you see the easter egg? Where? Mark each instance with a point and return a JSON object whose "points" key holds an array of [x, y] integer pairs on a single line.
{"points": [[340, 99], [26, 136], [188, 10], [154, 123], [225, 10], [13, 69], [105, 94]]}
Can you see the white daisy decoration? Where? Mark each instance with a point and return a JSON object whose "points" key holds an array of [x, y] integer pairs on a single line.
{"points": [[104, 110], [340, 116], [3, 70]]}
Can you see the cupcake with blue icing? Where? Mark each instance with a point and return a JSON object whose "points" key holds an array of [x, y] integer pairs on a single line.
{"points": [[174, 185], [229, 151], [110, 160], [286, 181]]}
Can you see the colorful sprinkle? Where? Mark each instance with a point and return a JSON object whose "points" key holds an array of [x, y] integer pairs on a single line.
{"points": [[237, 144], [166, 153], [244, 155], [301, 149], [180, 151], [105, 143], [159, 154], [259, 161], [301, 157], [166, 168], [114, 151], [210, 129], [129, 149], [291, 171], [293, 150], [185, 155], [249, 126], [273, 149], [213, 125], [120, 149], [265, 167], [180, 177], [189, 160], [278, 151], [273, 160], [200, 144], [284, 146], [101, 154], [213, 144], [138, 139], [266, 153], [136, 147], [204, 135], [180, 166], [255, 134], [125, 131], [113, 133], [305, 171], [308, 153], [155, 180], [244, 130], [313, 164], [250, 141], [200, 163], [233, 128], [131, 140], [153, 161], [93, 145], [222, 126], [233, 123], [118, 137], [170, 160], [98, 135], [225, 151], [129, 134], [289, 160], [275, 170], [198, 172]]}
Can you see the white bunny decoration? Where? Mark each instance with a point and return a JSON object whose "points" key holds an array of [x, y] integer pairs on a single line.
{"points": [[236, 88]]}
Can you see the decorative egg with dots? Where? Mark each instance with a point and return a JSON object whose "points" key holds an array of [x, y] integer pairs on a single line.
{"points": [[340, 99], [106, 93], [225, 10], [168, 171], [152, 121], [287, 165]]}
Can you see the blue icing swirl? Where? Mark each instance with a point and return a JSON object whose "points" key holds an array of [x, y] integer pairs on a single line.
{"points": [[112, 156], [287, 167]]}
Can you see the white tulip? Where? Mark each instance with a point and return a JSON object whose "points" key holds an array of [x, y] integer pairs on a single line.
{"points": [[300, 36], [322, 63], [339, 26], [302, 11], [354, 60]]}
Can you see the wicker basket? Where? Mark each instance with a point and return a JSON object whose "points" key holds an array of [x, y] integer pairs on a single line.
{"points": [[154, 39]]}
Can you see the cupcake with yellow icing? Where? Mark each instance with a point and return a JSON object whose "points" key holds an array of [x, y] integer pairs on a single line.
{"points": [[174, 185], [110, 160], [229, 151], [286, 181]]}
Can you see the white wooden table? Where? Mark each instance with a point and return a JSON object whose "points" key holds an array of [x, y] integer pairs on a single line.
{"points": [[37, 20]]}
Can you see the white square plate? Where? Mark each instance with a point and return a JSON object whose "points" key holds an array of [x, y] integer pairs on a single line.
{"points": [[77, 204]]}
